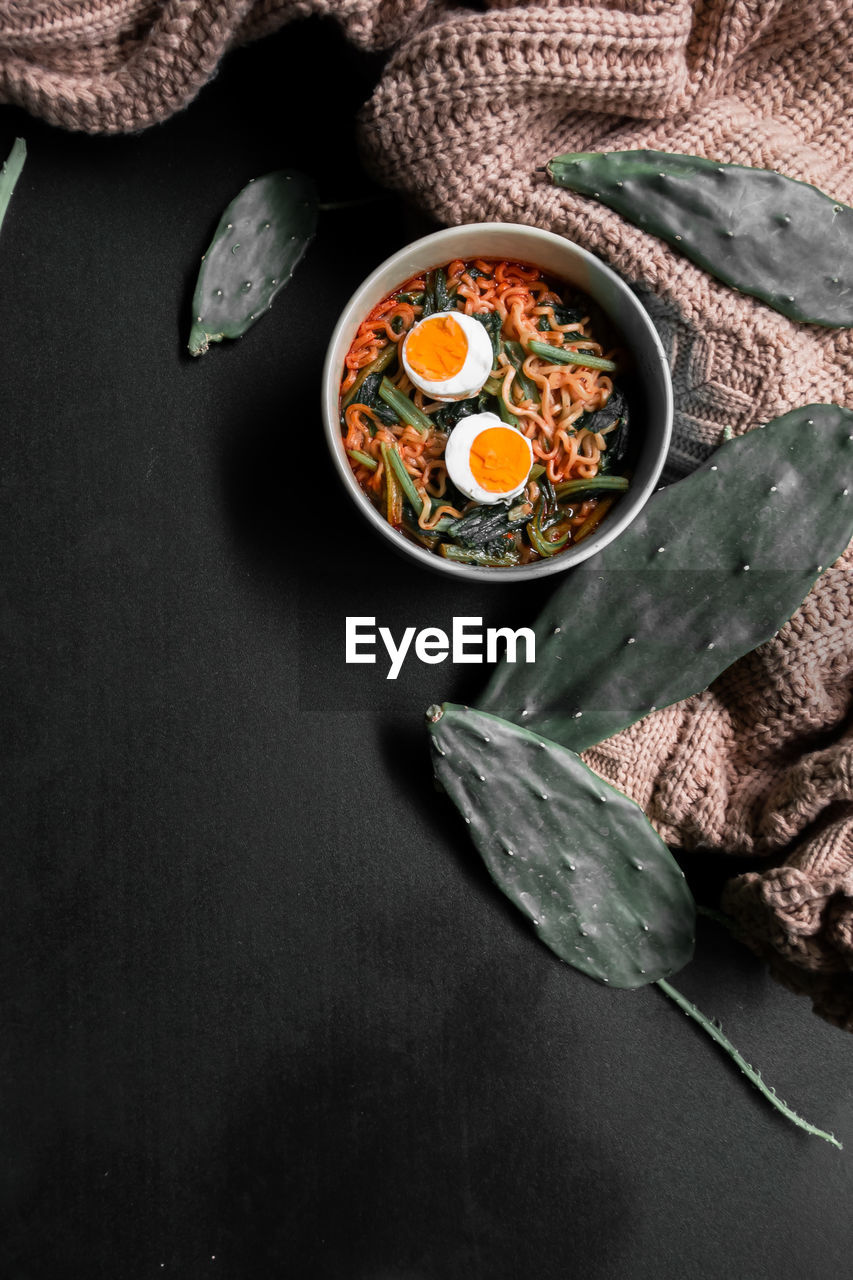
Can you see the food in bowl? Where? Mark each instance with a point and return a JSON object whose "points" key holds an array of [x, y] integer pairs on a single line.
{"points": [[482, 412]]}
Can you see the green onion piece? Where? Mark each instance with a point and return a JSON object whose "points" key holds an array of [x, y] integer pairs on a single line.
{"points": [[536, 471], [594, 519], [540, 543], [506, 415], [467, 556], [363, 459], [561, 356], [407, 484], [391, 457], [379, 365], [393, 488], [10, 173], [492, 386], [515, 354], [613, 484], [405, 410], [424, 537]]}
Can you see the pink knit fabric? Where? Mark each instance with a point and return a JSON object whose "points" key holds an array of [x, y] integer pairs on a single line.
{"points": [[470, 106]]}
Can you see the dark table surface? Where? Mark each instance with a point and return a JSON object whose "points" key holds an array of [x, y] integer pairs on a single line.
{"points": [[264, 1014]]}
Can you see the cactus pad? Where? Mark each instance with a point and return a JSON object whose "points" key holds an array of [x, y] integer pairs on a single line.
{"points": [[10, 173], [259, 240], [576, 856], [764, 234], [712, 567]]}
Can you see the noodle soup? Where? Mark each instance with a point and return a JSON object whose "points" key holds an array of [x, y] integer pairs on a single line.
{"points": [[483, 415]]}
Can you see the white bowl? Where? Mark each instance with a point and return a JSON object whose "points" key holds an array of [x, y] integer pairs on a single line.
{"points": [[651, 419]]}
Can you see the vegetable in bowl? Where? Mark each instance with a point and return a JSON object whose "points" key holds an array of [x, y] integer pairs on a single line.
{"points": [[480, 412], [619, 325]]}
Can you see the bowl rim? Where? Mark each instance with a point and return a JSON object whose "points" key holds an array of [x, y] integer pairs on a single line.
{"points": [[626, 511]]}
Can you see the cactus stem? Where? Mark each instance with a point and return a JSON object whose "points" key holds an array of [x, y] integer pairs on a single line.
{"points": [[716, 1034]]}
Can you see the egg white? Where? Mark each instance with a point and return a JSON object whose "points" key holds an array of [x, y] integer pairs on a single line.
{"points": [[457, 452], [475, 370]]}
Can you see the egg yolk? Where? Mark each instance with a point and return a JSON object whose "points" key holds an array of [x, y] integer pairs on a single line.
{"points": [[436, 348], [499, 459]]}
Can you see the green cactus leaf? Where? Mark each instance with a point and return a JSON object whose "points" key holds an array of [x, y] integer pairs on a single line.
{"points": [[712, 567], [260, 238], [765, 234], [10, 173], [576, 856]]}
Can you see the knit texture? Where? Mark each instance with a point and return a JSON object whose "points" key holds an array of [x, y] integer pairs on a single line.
{"points": [[471, 104]]}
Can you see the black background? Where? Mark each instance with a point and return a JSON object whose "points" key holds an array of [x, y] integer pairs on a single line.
{"points": [[264, 1014]]}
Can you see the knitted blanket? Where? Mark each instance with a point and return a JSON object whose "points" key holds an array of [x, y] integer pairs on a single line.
{"points": [[471, 103]]}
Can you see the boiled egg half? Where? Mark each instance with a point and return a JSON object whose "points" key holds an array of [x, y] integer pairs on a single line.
{"points": [[487, 460], [448, 355]]}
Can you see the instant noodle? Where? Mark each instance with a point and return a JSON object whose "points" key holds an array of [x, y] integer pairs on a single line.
{"points": [[491, 351]]}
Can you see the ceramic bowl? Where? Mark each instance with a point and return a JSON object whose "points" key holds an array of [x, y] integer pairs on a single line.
{"points": [[651, 388]]}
